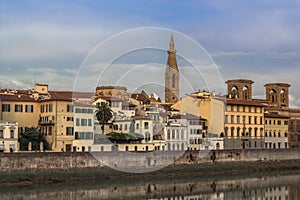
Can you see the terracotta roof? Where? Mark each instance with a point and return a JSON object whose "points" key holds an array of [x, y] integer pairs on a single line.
{"points": [[140, 96], [109, 98], [25, 95], [17, 97], [276, 115], [187, 116], [253, 102]]}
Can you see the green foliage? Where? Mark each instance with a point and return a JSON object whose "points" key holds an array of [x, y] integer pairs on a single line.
{"points": [[124, 137], [34, 136], [103, 113]]}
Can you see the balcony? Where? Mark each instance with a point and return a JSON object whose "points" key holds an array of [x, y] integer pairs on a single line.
{"points": [[46, 123]]}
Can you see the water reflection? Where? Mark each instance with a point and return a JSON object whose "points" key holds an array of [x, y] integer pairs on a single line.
{"points": [[255, 188]]}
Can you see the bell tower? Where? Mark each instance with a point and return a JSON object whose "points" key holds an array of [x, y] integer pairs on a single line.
{"points": [[277, 94], [171, 75]]}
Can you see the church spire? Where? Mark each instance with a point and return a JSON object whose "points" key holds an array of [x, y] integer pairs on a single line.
{"points": [[171, 75], [172, 45]]}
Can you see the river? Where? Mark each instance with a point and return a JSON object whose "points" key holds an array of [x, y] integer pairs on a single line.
{"points": [[271, 187]]}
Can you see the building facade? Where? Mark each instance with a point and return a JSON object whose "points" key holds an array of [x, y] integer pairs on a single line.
{"points": [[9, 136]]}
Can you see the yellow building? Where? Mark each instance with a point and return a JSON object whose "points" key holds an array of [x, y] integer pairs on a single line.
{"points": [[50, 111], [20, 106], [276, 131], [205, 105], [244, 124]]}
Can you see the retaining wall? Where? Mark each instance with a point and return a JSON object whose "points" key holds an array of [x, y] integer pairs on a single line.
{"points": [[126, 160]]}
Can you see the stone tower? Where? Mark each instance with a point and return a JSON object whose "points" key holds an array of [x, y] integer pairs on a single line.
{"points": [[240, 89], [171, 75], [277, 94]]}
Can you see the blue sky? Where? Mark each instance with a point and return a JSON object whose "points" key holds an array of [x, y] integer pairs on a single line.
{"points": [[46, 41]]}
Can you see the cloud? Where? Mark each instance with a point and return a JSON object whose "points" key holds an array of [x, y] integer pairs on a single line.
{"points": [[231, 54], [285, 55]]}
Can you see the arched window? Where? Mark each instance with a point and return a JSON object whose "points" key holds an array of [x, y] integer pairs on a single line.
{"points": [[226, 131], [250, 132], [234, 92], [246, 94], [232, 131], [273, 97], [238, 131], [282, 96]]}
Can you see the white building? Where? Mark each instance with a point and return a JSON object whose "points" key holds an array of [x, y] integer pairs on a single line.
{"points": [[9, 136], [83, 127]]}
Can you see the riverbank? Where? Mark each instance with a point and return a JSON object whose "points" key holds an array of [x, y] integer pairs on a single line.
{"points": [[197, 170]]}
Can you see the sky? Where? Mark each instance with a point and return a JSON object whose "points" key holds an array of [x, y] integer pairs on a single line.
{"points": [[48, 41]]}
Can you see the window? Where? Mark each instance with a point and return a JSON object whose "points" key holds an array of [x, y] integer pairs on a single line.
{"points": [[261, 120], [69, 119], [12, 133], [255, 120], [42, 108], [77, 122], [137, 126], [69, 108], [69, 130], [238, 131], [77, 110], [173, 134], [226, 119], [232, 131], [231, 108], [255, 109], [168, 134], [238, 108], [29, 108], [18, 108], [279, 122], [5, 107], [182, 134], [125, 127], [147, 136], [50, 107], [286, 122], [232, 119], [83, 122], [1, 134], [146, 125], [244, 119], [50, 130], [226, 131], [249, 119], [238, 119], [89, 122], [173, 81]]}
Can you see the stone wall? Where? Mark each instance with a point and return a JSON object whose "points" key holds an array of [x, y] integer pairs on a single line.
{"points": [[135, 161]]}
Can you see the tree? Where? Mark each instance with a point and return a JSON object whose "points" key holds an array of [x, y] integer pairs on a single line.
{"points": [[34, 136], [103, 114]]}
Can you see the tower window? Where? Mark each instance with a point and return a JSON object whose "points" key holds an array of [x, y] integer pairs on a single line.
{"points": [[173, 81]]}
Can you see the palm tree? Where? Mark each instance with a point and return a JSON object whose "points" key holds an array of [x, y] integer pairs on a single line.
{"points": [[103, 114]]}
